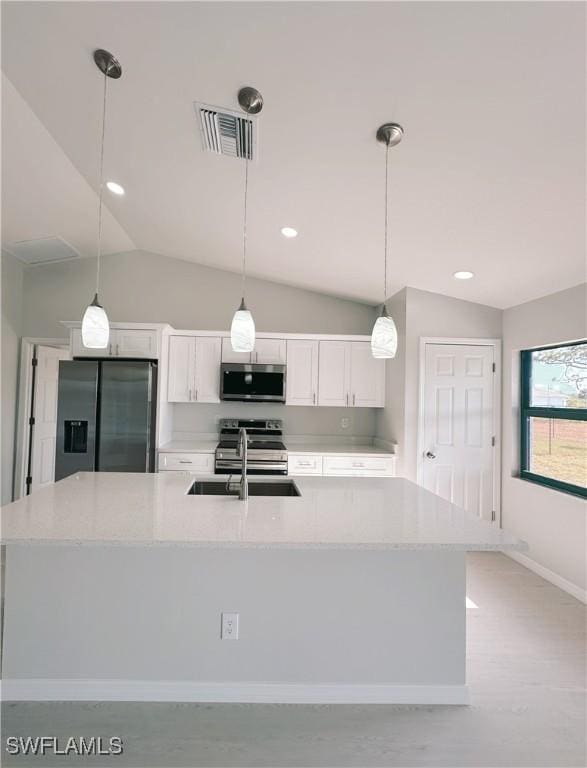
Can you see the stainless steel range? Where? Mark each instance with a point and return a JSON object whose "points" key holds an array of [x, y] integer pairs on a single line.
{"points": [[267, 455]]}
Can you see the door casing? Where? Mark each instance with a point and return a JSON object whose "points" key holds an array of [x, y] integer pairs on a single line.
{"points": [[496, 344]]}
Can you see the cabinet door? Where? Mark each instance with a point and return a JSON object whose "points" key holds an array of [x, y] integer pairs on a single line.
{"points": [[302, 372], [367, 377], [207, 381], [334, 367], [135, 343], [269, 351], [228, 356], [180, 375], [78, 349]]}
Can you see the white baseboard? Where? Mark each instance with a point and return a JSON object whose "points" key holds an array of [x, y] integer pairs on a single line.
{"points": [[546, 573], [267, 693]]}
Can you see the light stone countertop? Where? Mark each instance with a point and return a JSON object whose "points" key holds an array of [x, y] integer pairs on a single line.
{"points": [[332, 512], [294, 445]]}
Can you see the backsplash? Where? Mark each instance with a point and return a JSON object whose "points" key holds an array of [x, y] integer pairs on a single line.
{"points": [[297, 420]]}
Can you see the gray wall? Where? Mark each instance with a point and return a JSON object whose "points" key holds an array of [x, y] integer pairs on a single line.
{"points": [[145, 287], [12, 293], [552, 522], [422, 313], [189, 418]]}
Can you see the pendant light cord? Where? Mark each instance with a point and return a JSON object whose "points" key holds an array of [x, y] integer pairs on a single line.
{"points": [[245, 218], [101, 189], [386, 221]]}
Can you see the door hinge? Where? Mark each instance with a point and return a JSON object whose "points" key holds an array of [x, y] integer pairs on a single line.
{"points": [[493, 367], [493, 441], [31, 421], [34, 362]]}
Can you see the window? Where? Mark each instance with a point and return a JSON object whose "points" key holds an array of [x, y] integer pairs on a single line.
{"points": [[554, 417]]}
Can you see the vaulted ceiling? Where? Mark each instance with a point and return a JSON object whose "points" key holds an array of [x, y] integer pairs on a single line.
{"points": [[490, 176]]}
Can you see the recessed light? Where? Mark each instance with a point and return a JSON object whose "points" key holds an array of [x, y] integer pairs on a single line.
{"points": [[114, 187], [464, 275], [289, 232]]}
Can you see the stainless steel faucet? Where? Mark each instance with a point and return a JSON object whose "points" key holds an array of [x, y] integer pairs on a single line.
{"points": [[241, 452]]}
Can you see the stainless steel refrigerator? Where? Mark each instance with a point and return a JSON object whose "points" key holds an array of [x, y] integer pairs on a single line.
{"points": [[106, 416]]}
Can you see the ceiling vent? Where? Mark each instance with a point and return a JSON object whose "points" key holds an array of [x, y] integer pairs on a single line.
{"points": [[226, 132], [44, 250]]}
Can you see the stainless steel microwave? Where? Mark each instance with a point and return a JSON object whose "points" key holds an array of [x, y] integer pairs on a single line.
{"points": [[252, 382]]}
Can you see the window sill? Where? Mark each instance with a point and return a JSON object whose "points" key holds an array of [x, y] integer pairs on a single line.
{"points": [[554, 485]]}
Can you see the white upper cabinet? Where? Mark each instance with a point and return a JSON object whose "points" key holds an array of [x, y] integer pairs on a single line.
{"points": [[268, 351], [367, 377], [194, 369], [207, 380], [349, 375], [334, 373], [302, 372], [181, 372], [131, 342]]}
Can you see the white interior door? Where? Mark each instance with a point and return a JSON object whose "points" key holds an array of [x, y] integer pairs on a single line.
{"points": [[45, 415], [457, 428]]}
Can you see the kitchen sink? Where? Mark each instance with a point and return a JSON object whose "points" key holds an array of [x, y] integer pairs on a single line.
{"points": [[256, 488]]}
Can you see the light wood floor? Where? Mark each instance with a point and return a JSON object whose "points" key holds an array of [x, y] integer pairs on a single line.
{"points": [[526, 669]]}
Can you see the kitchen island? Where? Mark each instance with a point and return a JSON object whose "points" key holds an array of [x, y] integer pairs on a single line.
{"points": [[353, 591]]}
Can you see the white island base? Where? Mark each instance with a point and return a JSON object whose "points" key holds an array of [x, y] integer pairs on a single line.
{"points": [[353, 591], [135, 623]]}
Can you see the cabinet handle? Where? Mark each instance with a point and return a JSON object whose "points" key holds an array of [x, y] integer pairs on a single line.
{"points": [[358, 464], [196, 395], [117, 350], [353, 398], [314, 399], [184, 461], [347, 398], [110, 349], [189, 394]]}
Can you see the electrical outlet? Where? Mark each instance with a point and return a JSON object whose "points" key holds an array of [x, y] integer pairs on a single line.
{"points": [[344, 422], [229, 626]]}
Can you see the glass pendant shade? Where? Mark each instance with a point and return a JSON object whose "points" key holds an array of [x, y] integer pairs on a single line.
{"points": [[384, 336], [95, 326], [242, 330]]}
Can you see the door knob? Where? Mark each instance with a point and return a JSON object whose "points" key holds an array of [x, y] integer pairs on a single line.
{"points": [[430, 455]]}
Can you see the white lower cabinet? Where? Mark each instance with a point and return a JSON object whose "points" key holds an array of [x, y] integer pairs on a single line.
{"points": [[304, 464], [355, 465], [194, 369], [186, 462]]}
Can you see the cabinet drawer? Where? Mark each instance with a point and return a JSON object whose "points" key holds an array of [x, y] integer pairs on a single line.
{"points": [[188, 462], [369, 466], [304, 464]]}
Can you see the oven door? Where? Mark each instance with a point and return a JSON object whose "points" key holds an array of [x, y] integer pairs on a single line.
{"points": [[250, 382]]}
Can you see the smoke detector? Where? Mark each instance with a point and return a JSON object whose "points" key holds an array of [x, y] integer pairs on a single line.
{"points": [[226, 132]]}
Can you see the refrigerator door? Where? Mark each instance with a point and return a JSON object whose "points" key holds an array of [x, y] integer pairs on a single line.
{"points": [[76, 417], [126, 416]]}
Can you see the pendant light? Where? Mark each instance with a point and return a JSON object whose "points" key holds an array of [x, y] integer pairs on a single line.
{"points": [[384, 335], [95, 326], [242, 329]]}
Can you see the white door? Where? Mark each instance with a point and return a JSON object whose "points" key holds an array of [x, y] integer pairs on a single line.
{"points": [[207, 381], [45, 415], [367, 377], [269, 351], [334, 373], [180, 374], [302, 372], [229, 356], [458, 426]]}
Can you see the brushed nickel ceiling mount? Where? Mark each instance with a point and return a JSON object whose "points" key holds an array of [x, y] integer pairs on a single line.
{"points": [[390, 134], [250, 100], [107, 63]]}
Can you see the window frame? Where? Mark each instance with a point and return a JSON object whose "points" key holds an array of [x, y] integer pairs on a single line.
{"points": [[527, 411]]}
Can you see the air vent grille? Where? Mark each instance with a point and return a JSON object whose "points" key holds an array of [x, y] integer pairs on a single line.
{"points": [[226, 132], [44, 250]]}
